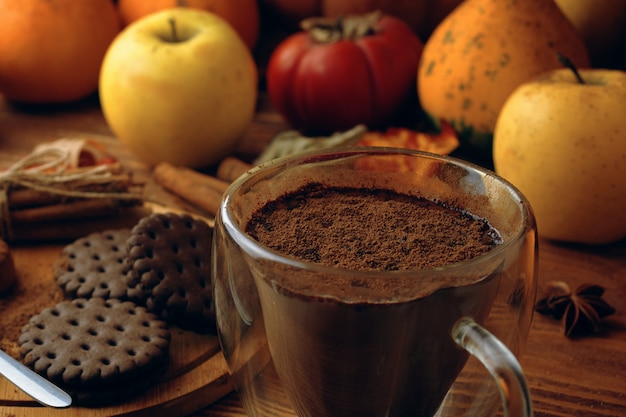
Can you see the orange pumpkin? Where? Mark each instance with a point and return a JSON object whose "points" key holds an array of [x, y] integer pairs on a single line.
{"points": [[51, 50], [413, 12], [421, 15], [293, 12], [243, 15]]}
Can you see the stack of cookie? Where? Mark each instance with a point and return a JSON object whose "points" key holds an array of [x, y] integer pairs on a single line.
{"points": [[110, 338]]}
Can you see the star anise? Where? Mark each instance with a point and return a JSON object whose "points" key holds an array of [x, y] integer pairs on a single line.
{"points": [[581, 312]]}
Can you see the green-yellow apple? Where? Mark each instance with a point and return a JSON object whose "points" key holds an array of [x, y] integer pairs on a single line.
{"points": [[602, 25], [563, 144], [179, 86]]}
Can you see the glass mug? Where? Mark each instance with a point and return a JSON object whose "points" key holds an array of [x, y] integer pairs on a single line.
{"points": [[449, 350]]}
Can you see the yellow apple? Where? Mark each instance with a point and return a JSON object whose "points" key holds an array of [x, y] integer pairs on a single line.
{"points": [[179, 86], [602, 25], [563, 144]]}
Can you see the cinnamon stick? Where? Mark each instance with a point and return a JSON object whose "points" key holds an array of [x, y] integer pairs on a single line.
{"points": [[28, 197], [74, 209], [69, 229], [24, 197], [202, 190], [232, 168]]}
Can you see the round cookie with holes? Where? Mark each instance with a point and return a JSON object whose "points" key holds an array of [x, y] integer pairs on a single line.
{"points": [[100, 351], [93, 266], [169, 264]]}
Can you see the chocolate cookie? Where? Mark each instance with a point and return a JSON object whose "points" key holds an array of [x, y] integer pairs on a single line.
{"points": [[100, 351], [93, 266], [169, 263]]}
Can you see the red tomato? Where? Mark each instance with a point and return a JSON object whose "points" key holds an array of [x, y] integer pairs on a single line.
{"points": [[330, 86]]}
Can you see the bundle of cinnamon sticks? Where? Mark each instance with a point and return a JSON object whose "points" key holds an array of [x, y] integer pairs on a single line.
{"points": [[33, 213], [30, 214]]}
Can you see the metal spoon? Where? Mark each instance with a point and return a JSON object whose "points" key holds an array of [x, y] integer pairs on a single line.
{"points": [[32, 383]]}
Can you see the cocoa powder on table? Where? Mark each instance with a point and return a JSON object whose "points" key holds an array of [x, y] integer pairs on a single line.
{"points": [[369, 229]]}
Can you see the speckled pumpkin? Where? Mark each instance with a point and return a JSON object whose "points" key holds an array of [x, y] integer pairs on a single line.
{"points": [[483, 50]]}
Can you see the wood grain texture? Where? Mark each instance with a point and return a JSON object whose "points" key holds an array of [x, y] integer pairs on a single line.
{"points": [[567, 377]]}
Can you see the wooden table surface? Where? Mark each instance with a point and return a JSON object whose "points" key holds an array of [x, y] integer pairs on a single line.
{"points": [[567, 377]]}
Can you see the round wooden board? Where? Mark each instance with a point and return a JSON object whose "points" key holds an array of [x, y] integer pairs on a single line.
{"points": [[197, 375]]}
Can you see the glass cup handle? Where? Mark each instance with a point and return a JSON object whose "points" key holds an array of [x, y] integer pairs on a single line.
{"points": [[500, 363]]}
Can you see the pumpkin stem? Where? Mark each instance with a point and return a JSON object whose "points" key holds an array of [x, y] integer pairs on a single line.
{"points": [[567, 63], [329, 30]]}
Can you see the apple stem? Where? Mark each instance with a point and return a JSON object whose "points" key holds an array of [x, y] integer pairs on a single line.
{"points": [[566, 62], [172, 22]]}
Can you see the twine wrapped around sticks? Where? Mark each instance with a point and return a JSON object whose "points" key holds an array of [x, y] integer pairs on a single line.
{"points": [[53, 168]]}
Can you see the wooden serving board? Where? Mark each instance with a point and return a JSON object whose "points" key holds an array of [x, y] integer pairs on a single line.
{"points": [[196, 377]]}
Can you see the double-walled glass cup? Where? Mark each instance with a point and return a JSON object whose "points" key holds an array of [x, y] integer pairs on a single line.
{"points": [[448, 348]]}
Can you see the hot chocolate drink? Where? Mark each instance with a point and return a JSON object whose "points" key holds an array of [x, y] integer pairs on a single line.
{"points": [[366, 344]]}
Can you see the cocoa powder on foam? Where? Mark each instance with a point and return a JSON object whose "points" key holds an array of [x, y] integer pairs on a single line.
{"points": [[369, 229]]}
